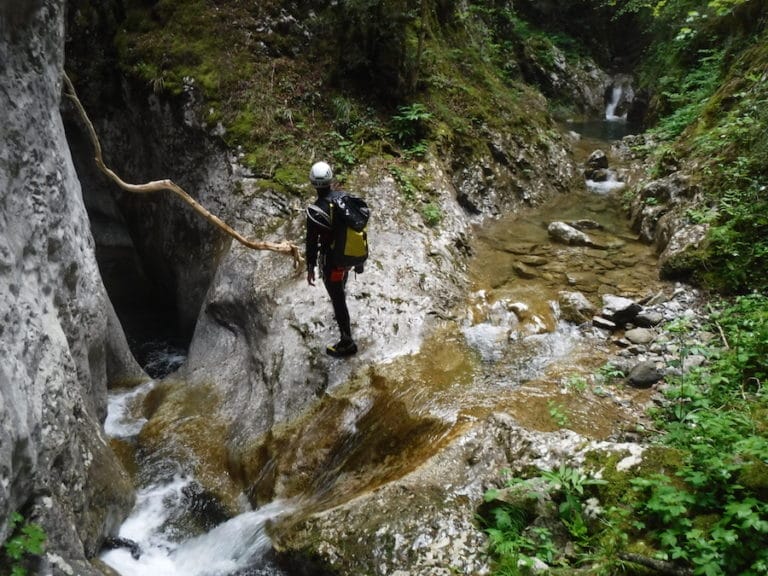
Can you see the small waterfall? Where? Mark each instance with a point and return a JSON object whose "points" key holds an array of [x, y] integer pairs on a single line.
{"points": [[155, 538], [614, 123], [610, 184], [610, 108], [121, 422]]}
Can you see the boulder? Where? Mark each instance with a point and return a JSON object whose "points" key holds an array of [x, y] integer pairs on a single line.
{"points": [[640, 336], [597, 160], [648, 318]]}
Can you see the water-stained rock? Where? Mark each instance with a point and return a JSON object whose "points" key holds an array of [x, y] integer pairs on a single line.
{"points": [[425, 523]]}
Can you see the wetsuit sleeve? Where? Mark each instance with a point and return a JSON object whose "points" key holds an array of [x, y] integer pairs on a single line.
{"points": [[311, 247]]}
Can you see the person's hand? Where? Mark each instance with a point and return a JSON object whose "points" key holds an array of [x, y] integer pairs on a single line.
{"points": [[311, 277]]}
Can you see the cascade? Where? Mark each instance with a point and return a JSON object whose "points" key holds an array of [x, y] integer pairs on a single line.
{"points": [[610, 108], [155, 540]]}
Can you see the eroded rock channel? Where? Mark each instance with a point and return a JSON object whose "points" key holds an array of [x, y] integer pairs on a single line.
{"points": [[386, 468]]}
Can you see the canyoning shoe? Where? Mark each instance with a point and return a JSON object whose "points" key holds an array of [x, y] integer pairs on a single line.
{"points": [[342, 348]]}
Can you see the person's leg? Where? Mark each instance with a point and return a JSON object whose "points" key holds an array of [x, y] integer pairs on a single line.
{"points": [[335, 280]]}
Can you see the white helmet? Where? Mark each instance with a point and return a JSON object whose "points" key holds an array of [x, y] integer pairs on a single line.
{"points": [[321, 175]]}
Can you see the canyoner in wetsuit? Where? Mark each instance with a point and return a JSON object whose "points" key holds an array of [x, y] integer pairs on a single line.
{"points": [[319, 254]]}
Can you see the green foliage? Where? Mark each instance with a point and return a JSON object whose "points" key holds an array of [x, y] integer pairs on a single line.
{"points": [[576, 383], [706, 67], [608, 372], [570, 484], [432, 214], [344, 153], [708, 509], [26, 541], [410, 125], [409, 190], [706, 514], [515, 541], [557, 413], [686, 97]]}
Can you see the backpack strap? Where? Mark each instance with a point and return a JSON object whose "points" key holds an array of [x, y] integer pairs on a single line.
{"points": [[319, 216]]}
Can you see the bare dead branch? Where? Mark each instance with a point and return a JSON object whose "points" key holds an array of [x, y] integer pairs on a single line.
{"points": [[659, 566], [160, 185]]}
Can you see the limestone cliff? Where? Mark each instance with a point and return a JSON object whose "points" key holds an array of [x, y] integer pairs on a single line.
{"points": [[59, 338]]}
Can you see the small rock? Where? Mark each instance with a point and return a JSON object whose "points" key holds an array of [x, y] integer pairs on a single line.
{"points": [[644, 375], [562, 232], [620, 310], [574, 307], [640, 336], [604, 323], [597, 175], [524, 271], [648, 318], [597, 160]]}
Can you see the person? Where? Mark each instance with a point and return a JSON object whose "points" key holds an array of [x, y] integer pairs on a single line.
{"points": [[320, 255]]}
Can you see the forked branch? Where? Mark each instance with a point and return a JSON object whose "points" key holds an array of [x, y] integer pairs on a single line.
{"points": [[160, 185]]}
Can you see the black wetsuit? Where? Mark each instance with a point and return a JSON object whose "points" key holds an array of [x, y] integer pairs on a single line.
{"points": [[318, 247]]}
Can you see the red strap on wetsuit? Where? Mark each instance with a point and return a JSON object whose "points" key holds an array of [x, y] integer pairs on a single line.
{"points": [[337, 274]]}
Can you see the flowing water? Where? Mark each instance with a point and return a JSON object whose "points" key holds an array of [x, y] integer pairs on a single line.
{"points": [[162, 536]]}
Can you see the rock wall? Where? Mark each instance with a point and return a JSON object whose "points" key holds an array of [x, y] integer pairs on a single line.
{"points": [[59, 339]]}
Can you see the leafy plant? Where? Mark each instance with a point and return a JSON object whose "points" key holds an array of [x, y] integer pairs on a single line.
{"points": [[432, 214], [576, 383], [516, 542], [557, 413], [344, 153], [409, 125], [409, 189], [687, 96], [570, 484], [608, 372], [26, 541]]}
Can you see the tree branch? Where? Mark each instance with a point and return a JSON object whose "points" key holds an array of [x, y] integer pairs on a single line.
{"points": [[160, 185], [660, 566]]}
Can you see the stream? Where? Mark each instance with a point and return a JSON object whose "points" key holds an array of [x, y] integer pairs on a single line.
{"points": [[161, 528], [505, 349]]}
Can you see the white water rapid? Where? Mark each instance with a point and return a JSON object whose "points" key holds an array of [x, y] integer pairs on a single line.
{"points": [[611, 184], [610, 107], [239, 546]]}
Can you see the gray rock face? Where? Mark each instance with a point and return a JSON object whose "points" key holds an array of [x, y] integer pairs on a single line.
{"points": [[262, 333], [502, 180], [56, 340]]}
